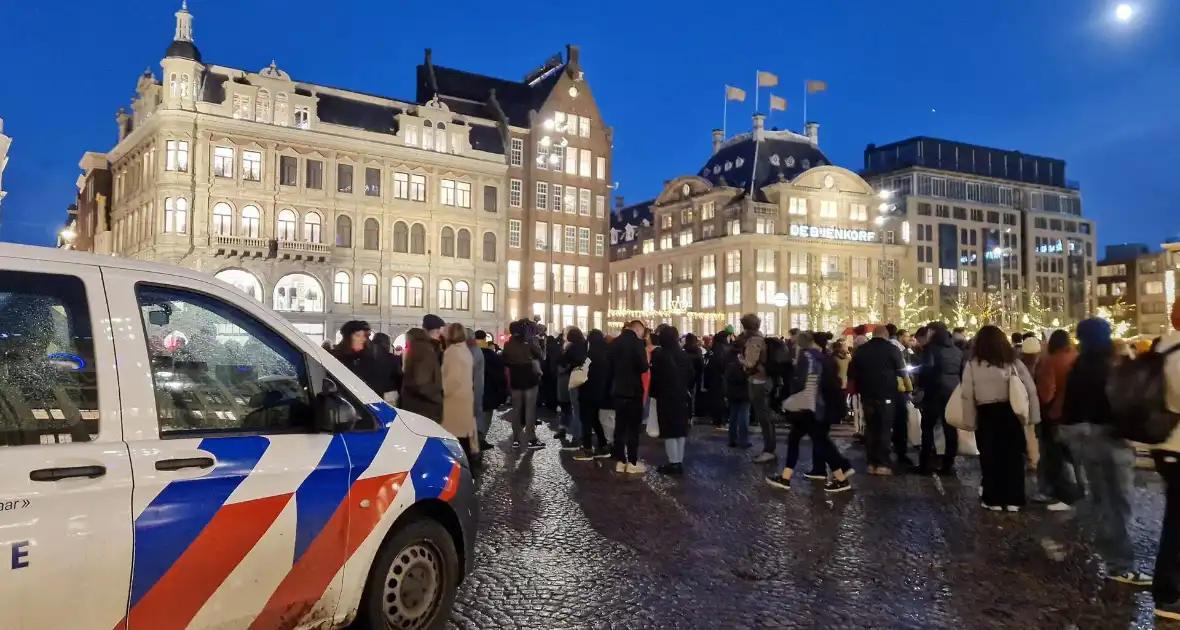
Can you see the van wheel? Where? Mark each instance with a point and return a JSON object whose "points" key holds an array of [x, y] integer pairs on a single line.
{"points": [[414, 580]]}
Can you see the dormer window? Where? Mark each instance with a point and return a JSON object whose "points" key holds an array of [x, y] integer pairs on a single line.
{"points": [[184, 86], [440, 138], [173, 85], [302, 118], [242, 108], [263, 113], [411, 135], [427, 135], [281, 109]]}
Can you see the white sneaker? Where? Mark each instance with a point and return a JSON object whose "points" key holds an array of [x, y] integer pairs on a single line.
{"points": [[636, 469], [620, 467], [1059, 507], [763, 458], [1012, 508]]}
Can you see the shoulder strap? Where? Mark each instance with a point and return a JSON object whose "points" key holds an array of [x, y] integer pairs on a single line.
{"points": [[1170, 350]]}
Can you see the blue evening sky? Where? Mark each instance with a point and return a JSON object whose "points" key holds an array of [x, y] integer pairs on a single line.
{"points": [[1048, 77]]}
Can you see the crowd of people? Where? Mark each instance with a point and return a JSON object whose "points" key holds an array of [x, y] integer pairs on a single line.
{"points": [[1028, 402]]}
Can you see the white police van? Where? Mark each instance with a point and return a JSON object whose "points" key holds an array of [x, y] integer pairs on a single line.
{"points": [[175, 455]]}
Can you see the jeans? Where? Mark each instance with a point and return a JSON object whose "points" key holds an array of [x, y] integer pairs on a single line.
{"points": [[674, 447], [933, 416], [739, 422], [524, 412], [900, 427], [1000, 437], [760, 409], [575, 415], [591, 426], [483, 422], [1165, 589], [1056, 473], [878, 414], [1108, 463], [628, 424]]}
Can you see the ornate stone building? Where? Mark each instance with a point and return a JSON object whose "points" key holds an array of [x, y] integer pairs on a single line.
{"points": [[5, 142], [327, 204]]}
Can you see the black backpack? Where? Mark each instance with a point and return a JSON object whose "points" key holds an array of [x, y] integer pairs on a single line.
{"points": [[1137, 390]]}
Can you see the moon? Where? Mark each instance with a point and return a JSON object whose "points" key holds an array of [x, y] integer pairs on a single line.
{"points": [[1124, 12]]}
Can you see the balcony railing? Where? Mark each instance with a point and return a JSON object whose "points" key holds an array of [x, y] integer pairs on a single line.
{"points": [[303, 250], [239, 246]]}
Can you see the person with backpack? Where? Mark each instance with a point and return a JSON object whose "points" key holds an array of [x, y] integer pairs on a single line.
{"points": [[1106, 457], [1054, 476], [754, 360], [1165, 588]]}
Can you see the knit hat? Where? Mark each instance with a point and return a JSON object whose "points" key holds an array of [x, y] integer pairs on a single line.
{"points": [[351, 327], [729, 329], [1094, 334], [1032, 345], [432, 322]]}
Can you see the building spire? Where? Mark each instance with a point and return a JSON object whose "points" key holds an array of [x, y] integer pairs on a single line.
{"points": [[184, 23]]}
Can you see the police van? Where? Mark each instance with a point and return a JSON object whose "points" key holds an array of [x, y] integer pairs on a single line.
{"points": [[175, 455]]}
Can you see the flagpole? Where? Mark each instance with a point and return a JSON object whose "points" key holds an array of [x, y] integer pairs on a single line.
{"points": [[757, 85], [725, 113], [805, 103]]}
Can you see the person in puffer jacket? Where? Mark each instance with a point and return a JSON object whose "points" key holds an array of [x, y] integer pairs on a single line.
{"points": [[942, 369], [1165, 588]]}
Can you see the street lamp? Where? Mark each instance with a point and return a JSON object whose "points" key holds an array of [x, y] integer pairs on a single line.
{"points": [[780, 300]]}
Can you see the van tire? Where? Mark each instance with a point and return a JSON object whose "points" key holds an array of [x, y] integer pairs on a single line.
{"points": [[414, 578]]}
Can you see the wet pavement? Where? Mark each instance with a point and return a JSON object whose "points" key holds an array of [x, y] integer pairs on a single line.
{"points": [[572, 545]]}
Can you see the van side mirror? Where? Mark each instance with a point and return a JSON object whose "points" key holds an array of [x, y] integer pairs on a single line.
{"points": [[333, 412]]}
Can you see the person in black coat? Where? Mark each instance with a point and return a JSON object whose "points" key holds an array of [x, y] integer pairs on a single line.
{"points": [[594, 396], [672, 375], [573, 356], [628, 360], [692, 347], [495, 383], [357, 353], [713, 380], [939, 375]]}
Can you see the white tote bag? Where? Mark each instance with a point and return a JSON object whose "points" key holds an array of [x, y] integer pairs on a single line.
{"points": [[954, 408], [607, 418], [1018, 395], [579, 374], [914, 424]]}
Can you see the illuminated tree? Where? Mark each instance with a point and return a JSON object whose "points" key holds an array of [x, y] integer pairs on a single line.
{"points": [[1121, 318], [912, 311]]}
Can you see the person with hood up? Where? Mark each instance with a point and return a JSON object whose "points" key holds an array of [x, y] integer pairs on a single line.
{"points": [[672, 375], [1056, 475], [356, 352], [458, 384], [495, 388], [1165, 588], [1107, 459], [712, 396], [941, 371], [594, 397], [422, 391], [387, 366]]}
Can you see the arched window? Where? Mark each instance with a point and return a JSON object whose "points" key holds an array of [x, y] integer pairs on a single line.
{"points": [[286, 225], [311, 227], [241, 280], [341, 288], [343, 231], [446, 244], [401, 238], [223, 219], [440, 138], [251, 222], [299, 293], [281, 114], [487, 298], [489, 247], [417, 239], [184, 86], [173, 85], [414, 292], [263, 114], [462, 296], [176, 215], [369, 289], [397, 291], [372, 235], [427, 135], [446, 292], [463, 245]]}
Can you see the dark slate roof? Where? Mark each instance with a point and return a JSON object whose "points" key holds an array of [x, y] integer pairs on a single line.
{"points": [[213, 87], [635, 215], [778, 153], [338, 110], [468, 93], [183, 50], [486, 139]]}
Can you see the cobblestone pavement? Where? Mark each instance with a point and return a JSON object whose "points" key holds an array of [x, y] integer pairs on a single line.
{"points": [[572, 545]]}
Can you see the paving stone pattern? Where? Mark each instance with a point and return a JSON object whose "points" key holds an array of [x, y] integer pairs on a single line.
{"points": [[572, 545]]}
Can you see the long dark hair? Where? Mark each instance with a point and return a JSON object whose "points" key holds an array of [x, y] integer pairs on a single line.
{"points": [[991, 346], [1059, 341]]}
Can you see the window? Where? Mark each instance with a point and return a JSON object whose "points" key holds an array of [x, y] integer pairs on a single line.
{"points": [[764, 226], [583, 202], [798, 263], [568, 280], [601, 167], [252, 166], [341, 288], [860, 267], [414, 292], [463, 245], [584, 161], [599, 206], [489, 247], [176, 215], [571, 239], [372, 235], [540, 270], [417, 188], [1153, 287], [372, 182], [542, 196], [440, 137], [427, 135], [223, 162], [447, 192], [343, 231], [584, 280], [557, 196], [174, 86], [733, 292], [401, 186], [797, 206], [860, 296], [397, 291], [829, 265], [286, 225], [858, 212], [514, 233], [516, 154], [369, 289], [764, 291], [708, 295], [571, 200], [733, 261], [515, 193], [445, 294], [447, 243], [765, 261], [487, 298], [462, 296], [571, 161], [514, 275], [344, 178], [707, 211], [315, 175], [584, 127], [542, 156], [281, 109], [733, 227], [223, 219], [541, 235], [599, 244], [251, 222], [463, 194], [258, 383], [800, 293], [241, 106], [827, 209], [302, 118], [176, 156], [709, 266], [311, 227], [584, 241], [401, 238], [417, 239], [263, 113]]}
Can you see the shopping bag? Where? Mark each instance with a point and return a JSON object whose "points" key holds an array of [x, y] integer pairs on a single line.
{"points": [[954, 410], [653, 424], [967, 444], [913, 424], [579, 375], [607, 418]]}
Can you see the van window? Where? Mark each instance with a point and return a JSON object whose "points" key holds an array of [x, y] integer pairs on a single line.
{"points": [[48, 381], [218, 370]]}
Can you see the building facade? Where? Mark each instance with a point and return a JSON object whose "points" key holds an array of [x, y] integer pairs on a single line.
{"points": [[1117, 287], [5, 142], [88, 219], [1155, 289], [994, 231], [766, 214], [558, 184], [325, 203]]}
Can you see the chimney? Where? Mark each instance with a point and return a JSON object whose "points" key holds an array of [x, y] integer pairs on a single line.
{"points": [[759, 123], [811, 130], [618, 202], [571, 54], [718, 138]]}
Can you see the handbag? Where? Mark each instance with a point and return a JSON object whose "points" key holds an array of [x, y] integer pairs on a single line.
{"points": [[1018, 395], [579, 375], [954, 410], [653, 423]]}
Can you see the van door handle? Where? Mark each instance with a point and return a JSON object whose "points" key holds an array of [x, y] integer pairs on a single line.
{"points": [[68, 472], [181, 463]]}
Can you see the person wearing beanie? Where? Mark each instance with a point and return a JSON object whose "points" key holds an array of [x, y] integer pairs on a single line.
{"points": [[1106, 458], [433, 325], [356, 352], [1165, 589], [422, 370]]}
